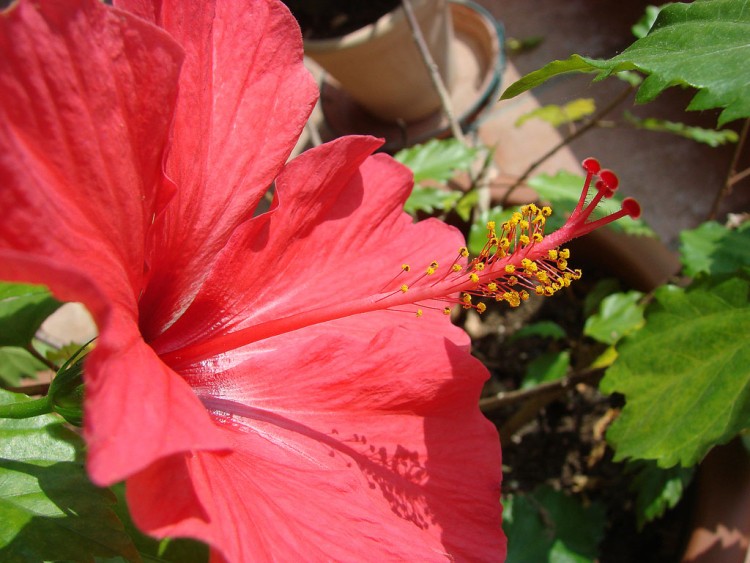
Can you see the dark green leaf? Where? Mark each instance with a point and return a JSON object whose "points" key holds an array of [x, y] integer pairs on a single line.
{"points": [[48, 508], [685, 375], [436, 159], [619, 315], [704, 44], [562, 192], [430, 200], [714, 249], [544, 329], [552, 527], [710, 137], [550, 366], [176, 550], [16, 363], [657, 489], [23, 309]]}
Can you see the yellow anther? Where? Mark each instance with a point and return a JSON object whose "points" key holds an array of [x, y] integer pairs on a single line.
{"points": [[532, 268], [509, 268], [512, 280], [434, 264], [447, 311], [466, 298], [481, 308], [419, 313], [562, 264], [526, 263], [490, 225], [405, 267], [539, 290], [524, 295], [546, 211], [524, 239], [552, 254], [533, 209], [504, 244], [513, 298], [492, 287], [430, 271], [542, 276], [577, 274], [457, 267], [463, 251], [524, 224], [474, 278], [404, 288], [565, 254], [549, 290], [479, 266], [525, 209], [541, 219], [538, 237]]}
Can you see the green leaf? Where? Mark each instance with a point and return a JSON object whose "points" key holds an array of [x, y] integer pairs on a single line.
{"points": [[23, 309], [550, 366], [685, 375], [551, 526], [711, 137], [466, 204], [16, 363], [430, 200], [544, 329], [704, 45], [619, 315], [436, 159], [48, 508], [478, 230], [562, 192], [179, 550], [657, 489], [644, 25], [560, 115], [714, 249]]}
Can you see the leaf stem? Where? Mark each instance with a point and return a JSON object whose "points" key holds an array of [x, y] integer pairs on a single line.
{"points": [[26, 409], [593, 122], [732, 176]]}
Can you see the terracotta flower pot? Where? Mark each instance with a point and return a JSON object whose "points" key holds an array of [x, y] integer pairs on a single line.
{"points": [[380, 66]]}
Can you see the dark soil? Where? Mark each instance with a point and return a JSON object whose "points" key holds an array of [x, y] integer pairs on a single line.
{"points": [[323, 19], [562, 442]]}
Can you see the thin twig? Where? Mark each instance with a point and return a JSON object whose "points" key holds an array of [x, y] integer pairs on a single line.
{"points": [[726, 189], [429, 62], [36, 389], [593, 122], [34, 352], [507, 398], [739, 176]]}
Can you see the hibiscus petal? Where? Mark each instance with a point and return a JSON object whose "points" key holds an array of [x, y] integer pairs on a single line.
{"points": [[244, 98], [85, 111], [339, 224], [351, 443]]}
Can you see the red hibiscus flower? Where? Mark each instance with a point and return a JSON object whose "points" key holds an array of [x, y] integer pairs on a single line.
{"points": [[262, 381]]}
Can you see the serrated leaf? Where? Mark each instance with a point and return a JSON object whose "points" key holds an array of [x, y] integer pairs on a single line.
{"points": [[437, 159], [560, 115], [478, 230], [551, 526], [544, 329], [550, 366], [562, 192], [685, 375], [704, 45], [430, 200], [711, 137], [48, 507], [713, 249], [16, 363], [657, 489], [23, 309], [619, 315]]}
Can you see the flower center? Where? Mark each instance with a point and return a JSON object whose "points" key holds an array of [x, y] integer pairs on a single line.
{"points": [[517, 260]]}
